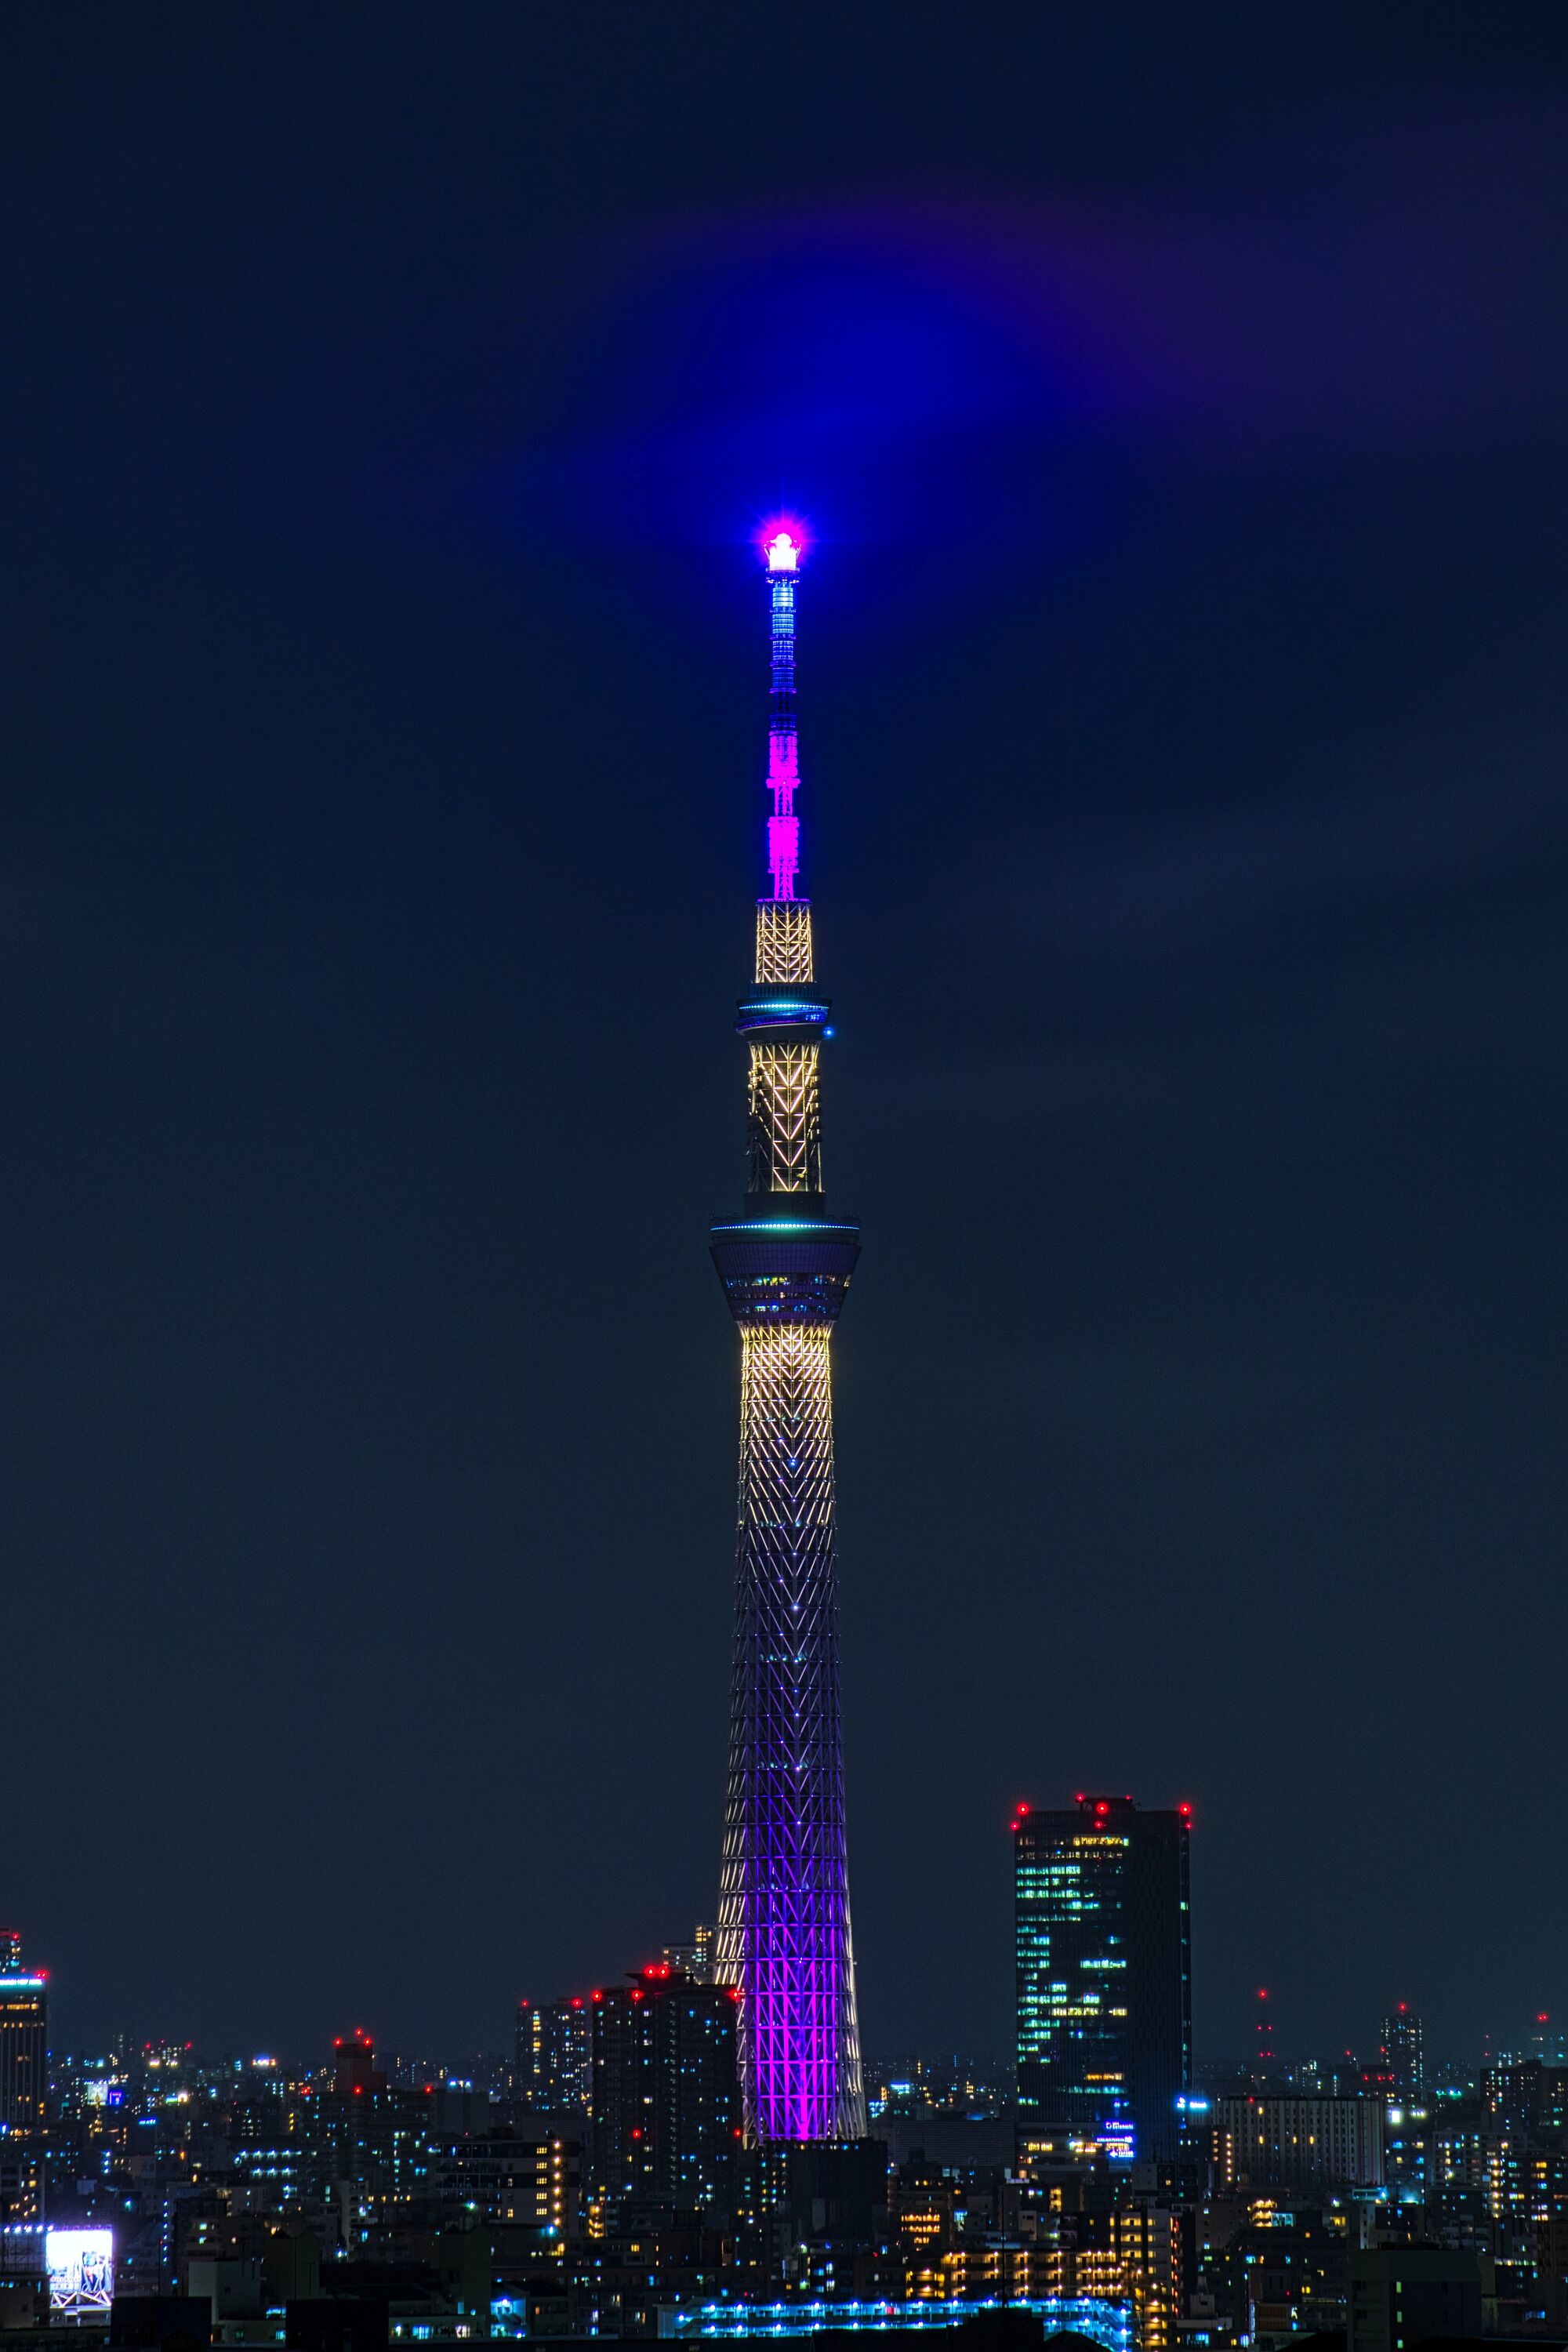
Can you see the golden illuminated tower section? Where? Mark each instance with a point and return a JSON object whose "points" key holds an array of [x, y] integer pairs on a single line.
{"points": [[783, 1941]]}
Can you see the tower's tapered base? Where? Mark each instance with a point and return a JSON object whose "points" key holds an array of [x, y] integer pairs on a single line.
{"points": [[783, 1917]]}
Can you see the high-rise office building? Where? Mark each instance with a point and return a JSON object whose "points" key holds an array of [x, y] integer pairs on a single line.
{"points": [[1399, 2050], [784, 1940], [1104, 1974], [24, 2083], [556, 2056], [667, 2104]]}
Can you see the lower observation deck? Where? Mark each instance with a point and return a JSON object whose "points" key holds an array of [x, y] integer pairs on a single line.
{"points": [[785, 1260]]}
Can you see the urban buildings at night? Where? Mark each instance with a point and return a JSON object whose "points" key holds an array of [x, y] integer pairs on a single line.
{"points": [[373, 2198], [555, 2054], [24, 2083], [1103, 1927], [666, 2113]]}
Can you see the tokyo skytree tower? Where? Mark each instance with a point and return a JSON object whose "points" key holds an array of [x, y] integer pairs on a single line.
{"points": [[783, 1905]]}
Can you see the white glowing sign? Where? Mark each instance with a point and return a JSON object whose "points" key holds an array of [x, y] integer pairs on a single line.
{"points": [[81, 2265]]}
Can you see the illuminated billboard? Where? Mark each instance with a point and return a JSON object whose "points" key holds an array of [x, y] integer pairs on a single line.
{"points": [[81, 2265]]}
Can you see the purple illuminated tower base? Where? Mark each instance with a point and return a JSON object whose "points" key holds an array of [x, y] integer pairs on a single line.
{"points": [[784, 1908]]}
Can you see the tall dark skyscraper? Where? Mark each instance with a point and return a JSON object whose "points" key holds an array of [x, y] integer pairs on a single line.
{"points": [[1399, 2046], [1104, 1974], [784, 1940], [24, 2083], [666, 2112]]}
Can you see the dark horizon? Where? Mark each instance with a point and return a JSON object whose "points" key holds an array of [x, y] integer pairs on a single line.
{"points": [[1179, 410]]}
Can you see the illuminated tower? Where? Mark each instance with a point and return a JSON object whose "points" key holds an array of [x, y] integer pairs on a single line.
{"points": [[783, 1905]]}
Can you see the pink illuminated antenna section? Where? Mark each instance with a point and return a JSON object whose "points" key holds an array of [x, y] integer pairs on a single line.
{"points": [[783, 542]]}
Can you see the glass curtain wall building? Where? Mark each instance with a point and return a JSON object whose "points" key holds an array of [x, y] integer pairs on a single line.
{"points": [[1104, 1963]]}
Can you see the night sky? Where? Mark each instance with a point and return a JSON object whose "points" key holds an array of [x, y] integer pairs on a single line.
{"points": [[1180, 401]]}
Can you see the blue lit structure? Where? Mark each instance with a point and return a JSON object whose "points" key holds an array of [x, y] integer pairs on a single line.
{"points": [[783, 1940], [1106, 2324]]}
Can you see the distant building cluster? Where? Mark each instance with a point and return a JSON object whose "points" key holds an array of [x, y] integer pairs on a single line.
{"points": [[600, 2180]]}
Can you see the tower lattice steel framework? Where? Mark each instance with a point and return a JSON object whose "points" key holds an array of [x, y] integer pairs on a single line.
{"points": [[784, 1908]]}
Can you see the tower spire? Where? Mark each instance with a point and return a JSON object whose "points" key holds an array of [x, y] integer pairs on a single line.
{"points": [[783, 1939], [784, 549]]}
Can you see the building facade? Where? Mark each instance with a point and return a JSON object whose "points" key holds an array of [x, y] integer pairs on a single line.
{"points": [[23, 2084], [515, 2183], [667, 2104], [1104, 1975], [556, 2056], [783, 1941], [1281, 2142]]}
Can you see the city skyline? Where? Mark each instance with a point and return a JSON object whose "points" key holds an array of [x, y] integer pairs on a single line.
{"points": [[1182, 453]]}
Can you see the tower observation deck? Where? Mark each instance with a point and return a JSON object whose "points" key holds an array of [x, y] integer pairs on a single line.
{"points": [[783, 1939]]}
